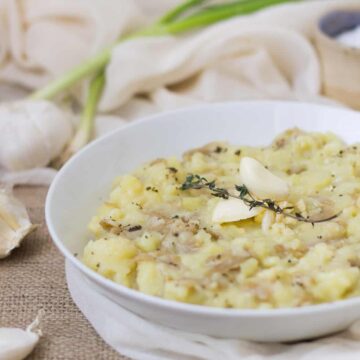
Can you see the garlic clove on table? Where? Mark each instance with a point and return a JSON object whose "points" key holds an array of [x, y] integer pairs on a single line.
{"points": [[233, 210], [14, 223], [32, 133], [261, 182], [17, 344]]}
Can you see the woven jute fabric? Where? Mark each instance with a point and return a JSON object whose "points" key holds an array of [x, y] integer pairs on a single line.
{"points": [[33, 278]]}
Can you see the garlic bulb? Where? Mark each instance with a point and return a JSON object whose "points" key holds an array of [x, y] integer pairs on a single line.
{"points": [[233, 210], [17, 344], [260, 181], [32, 133], [14, 223]]}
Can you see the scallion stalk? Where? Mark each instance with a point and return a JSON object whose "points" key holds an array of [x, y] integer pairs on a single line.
{"points": [[204, 17], [174, 14], [170, 23], [85, 128]]}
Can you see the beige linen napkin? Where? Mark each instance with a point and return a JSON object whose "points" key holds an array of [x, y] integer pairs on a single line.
{"points": [[133, 336], [41, 39], [267, 55]]}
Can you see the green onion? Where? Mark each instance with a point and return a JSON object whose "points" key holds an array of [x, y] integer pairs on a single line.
{"points": [[174, 14], [84, 130], [170, 23], [204, 17]]}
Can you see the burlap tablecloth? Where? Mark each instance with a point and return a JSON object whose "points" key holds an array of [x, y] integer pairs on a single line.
{"points": [[33, 278]]}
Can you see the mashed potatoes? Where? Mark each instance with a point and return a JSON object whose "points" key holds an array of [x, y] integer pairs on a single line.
{"points": [[158, 239]]}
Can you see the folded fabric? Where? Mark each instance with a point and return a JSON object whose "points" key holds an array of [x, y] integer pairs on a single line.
{"points": [[40, 39], [265, 55], [133, 336], [268, 54]]}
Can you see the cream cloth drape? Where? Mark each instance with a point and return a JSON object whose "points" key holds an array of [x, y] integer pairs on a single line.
{"points": [[267, 55]]}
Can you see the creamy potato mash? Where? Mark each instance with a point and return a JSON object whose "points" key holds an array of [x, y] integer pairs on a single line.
{"points": [[154, 237]]}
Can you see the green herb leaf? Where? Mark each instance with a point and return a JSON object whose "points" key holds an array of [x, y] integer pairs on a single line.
{"points": [[196, 182]]}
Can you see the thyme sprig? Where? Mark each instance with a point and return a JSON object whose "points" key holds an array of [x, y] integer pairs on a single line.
{"points": [[197, 182]]}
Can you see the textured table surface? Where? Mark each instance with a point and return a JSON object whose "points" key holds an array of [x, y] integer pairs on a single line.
{"points": [[33, 278]]}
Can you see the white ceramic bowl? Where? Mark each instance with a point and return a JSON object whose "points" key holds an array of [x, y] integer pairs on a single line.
{"points": [[84, 183]]}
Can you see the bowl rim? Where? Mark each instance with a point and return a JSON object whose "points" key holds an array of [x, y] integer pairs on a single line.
{"points": [[158, 302]]}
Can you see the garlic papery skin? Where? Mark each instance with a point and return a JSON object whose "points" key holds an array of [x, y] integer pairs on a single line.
{"points": [[32, 133], [17, 344], [233, 210], [261, 182], [14, 223]]}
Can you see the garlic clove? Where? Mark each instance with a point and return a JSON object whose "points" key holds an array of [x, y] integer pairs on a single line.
{"points": [[233, 210], [14, 223], [17, 344], [261, 182], [267, 220]]}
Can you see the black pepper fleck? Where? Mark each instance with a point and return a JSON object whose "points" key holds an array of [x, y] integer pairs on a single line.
{"points": [[152, 188], [135, 228], [173, 170]]}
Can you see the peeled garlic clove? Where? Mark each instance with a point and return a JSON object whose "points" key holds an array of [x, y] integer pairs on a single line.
{"points": [[14, 223], [17, 344], [32, 133], [267, 220], [261, 182], [233, 210]]}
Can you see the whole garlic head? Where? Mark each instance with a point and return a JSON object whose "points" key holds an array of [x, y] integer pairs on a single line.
{"points": [[14, 223], [261, 182], [32, 133]]}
